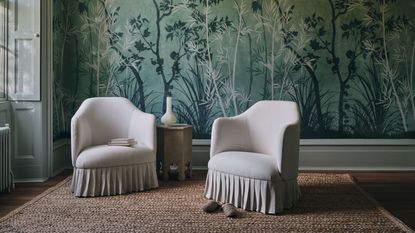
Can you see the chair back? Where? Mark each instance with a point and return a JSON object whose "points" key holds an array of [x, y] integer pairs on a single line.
{"points": [[107, 117], [267, 123]]}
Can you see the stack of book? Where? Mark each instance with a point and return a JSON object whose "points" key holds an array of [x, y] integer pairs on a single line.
{"points": [[122, 142]]}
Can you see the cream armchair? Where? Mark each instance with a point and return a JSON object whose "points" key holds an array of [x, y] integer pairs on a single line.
{"points": [[100, 169], [254, 158]]}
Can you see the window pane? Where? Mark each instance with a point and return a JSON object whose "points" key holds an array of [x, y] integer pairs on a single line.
{"points": [[3, 48]]}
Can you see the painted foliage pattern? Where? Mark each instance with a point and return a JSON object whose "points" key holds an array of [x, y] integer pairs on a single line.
{"points": [[348, 64]]}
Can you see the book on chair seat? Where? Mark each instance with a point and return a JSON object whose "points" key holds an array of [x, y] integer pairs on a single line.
{"points": [[122, 142]]}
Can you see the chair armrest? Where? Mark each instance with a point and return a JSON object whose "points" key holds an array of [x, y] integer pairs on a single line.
{"points": [[81, 136], [288, 158], [228, 134], [143, 129]]}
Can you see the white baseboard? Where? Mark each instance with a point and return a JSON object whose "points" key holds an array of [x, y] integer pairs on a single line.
{"points": [[199, 168], [357, 155], [322, 155], [337, 142], [30, 180], [61, 169], [61, 160], [61, 156]]}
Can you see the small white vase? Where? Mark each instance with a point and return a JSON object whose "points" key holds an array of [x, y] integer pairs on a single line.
{"points": [[169, 118]]}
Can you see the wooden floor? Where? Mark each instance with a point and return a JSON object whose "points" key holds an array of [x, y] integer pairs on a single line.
{"points": [[393, 190], [25, 192]]}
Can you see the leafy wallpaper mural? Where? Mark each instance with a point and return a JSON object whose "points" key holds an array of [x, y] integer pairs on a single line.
{"points": [[348, 64]]}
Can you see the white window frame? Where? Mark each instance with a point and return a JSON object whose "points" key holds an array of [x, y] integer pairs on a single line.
{"points": [[23, 77], [4, 49]]}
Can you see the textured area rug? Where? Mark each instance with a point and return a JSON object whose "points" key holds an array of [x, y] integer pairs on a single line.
{"points": [[329, 203]]}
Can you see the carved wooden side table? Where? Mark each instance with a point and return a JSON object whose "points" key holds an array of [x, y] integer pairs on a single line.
{"points": [[174, 150]]}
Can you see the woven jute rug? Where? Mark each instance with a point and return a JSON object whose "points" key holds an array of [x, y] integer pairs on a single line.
{"points": [[329, 203]]}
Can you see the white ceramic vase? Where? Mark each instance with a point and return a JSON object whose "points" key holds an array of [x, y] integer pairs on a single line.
{"points": [[169, 118]]}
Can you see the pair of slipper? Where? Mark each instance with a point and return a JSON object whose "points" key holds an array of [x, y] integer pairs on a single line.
{"points": [[228, 209]]}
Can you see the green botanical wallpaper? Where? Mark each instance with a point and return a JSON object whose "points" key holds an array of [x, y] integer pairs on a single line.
{"points": [[349, 64]]}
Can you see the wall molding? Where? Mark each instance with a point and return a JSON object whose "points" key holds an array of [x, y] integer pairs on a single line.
{"points": [[47, 78], [367, 155], [30, 180], [61, 143], [337, 142], [319, 155], [340, 157], [61, 159], [57, 172], [358, 157]]}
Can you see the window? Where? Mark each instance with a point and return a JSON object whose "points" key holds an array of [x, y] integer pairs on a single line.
{"points": [[3, 49], [20, 50]]}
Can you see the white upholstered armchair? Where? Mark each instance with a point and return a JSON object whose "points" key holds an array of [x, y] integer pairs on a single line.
{"points": [[100, 169], [254, 158]]}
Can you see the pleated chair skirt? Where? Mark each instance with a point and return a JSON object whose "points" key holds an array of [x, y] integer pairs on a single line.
{"points": [[265, 196], [114, 180]]}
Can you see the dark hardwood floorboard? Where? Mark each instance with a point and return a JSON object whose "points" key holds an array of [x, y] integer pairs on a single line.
{"points": [[25, 192], [395, 191]]}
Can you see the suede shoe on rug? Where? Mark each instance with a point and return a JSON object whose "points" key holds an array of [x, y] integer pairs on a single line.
{"points": [[230, 210], [210, 206]]}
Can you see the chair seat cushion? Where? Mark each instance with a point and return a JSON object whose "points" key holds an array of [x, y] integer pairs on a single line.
{"points": [[246, 164], [113, 156]]}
